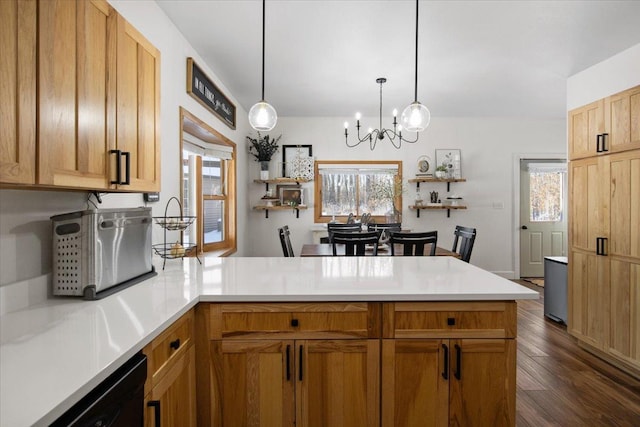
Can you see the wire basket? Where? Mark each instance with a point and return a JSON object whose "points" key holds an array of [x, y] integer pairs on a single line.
{"points": [[172, 250], [174, 223]]}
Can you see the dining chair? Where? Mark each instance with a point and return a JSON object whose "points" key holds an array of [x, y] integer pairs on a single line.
{"points": [[355, 243], [467, 237], [413, 243], [285, 241], [342, 228]]}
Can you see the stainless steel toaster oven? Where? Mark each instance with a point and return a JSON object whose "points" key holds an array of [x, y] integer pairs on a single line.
{"points": [[98, 252]]}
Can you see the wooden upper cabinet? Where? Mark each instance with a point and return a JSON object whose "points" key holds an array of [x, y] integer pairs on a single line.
{"points": [[588, 206], [622, 120], [18, 91], [623, 196], [585, 124], [75, 75], [138, 109]]}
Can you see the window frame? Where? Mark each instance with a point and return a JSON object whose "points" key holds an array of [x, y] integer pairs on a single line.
{"points": [[318, 217], [229, 244]]}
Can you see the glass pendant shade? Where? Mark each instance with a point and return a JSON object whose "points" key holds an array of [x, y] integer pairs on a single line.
{"points": [[416, 117], [262, 116]]}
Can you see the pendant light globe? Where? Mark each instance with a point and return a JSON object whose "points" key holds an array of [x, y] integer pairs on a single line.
{"points": [[262, 116], [416, 117]]}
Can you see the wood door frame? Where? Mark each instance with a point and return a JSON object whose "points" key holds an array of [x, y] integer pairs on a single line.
{"points": [[515, 217]]}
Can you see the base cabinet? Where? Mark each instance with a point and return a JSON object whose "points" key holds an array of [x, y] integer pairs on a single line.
{"points": [[297, 382]]}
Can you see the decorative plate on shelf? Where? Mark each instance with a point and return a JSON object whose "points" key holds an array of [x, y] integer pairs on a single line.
{"points": [[424, 163]]}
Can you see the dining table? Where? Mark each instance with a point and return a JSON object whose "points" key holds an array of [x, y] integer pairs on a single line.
{"points": [[326, 249]]}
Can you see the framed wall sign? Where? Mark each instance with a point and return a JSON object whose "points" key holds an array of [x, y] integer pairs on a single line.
{"points": [[451, 158], [200, 87], [290, 153]]}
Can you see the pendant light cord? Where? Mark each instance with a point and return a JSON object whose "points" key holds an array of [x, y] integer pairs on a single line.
{"points": [[416, 76], [263, 21]]}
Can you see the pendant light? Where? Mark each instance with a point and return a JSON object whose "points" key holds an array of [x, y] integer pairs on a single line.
{"points": [[262, 116], [416, 117]]}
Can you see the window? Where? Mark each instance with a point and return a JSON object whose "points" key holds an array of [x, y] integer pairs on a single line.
{"points": [[546, 191], [208, 188], [357, 187]]}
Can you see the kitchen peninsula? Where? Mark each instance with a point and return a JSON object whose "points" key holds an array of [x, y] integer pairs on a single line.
{"points": [[374, 310]]}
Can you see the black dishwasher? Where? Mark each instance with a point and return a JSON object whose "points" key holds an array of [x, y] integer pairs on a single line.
{"points": [[118, 401]]}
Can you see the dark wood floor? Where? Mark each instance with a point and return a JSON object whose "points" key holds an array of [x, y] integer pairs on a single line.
{"points": [[559, 384]]}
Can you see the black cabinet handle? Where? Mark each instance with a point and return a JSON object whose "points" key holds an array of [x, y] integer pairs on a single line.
{"points": [[127, 169], [175, 344], [604, 142], [598, 142], [445, 370], [301, 358], [156, 410], [601, 248], [295, 323], [458, 372], [288, 363], [118, 153]]}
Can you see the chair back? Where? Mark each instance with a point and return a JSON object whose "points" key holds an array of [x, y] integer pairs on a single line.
{"points": [[466, 236], [355, 243], [342, 228], [285, 241], [413, 243]]}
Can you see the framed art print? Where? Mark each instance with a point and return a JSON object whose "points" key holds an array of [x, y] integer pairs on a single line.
{"points": [[290, 153]]}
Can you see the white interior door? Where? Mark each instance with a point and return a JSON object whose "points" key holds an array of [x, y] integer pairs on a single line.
{"points": [[543, 216]]}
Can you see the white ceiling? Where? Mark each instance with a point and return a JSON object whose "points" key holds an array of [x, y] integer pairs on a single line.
{"points": [[476, 58]]}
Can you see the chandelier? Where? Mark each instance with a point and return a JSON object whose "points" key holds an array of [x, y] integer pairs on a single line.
{"points": [[374, 135]]}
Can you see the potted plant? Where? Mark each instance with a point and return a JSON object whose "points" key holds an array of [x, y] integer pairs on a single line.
{"points": [[263, 148], [441, 171]]}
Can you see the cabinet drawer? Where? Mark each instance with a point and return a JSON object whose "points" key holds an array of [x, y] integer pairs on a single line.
{"points": [[168, 346], [450, 319], [295, 320]]}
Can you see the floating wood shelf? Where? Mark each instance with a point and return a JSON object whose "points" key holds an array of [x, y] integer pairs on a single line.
{"points": [[266, 209], [418, 180], [442, 207]]}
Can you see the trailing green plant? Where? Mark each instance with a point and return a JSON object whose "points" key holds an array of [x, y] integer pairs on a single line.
{"points": [[442, 168], [263, 147]]}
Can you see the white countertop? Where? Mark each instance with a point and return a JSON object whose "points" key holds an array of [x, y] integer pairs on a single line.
{"points": [[52, 354]]}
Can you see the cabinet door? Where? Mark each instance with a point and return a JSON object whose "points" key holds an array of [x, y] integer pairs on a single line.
{"points": [[623, 193], [415, 383], [76, 71], [338, 383], [18, 91], [624, 329], [173, 399], [256, 383], [587, 205], [588, 292], [622, 120], [483, 382], [585, 124], [138, 107]]}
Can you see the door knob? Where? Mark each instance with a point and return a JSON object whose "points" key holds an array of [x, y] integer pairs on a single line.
{"points": [[524, 227]]}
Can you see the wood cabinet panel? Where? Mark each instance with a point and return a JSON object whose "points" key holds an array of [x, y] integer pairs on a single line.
{"points": [[18, 91], [587, 206], [414, 390], [451, 320], [138, 107], [588, 295], [624, 331], [622, 120], [623, 194], [161, 352], [338, 383], [174, 395], [482, 388], [585, 124], [75, 67]]}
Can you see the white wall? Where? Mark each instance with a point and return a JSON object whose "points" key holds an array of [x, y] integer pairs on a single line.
{"points": [[25, 231], [613, 75], [488, 147]]}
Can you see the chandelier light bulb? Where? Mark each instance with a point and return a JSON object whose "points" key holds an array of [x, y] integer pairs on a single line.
{"points": [[358, 116], [416, 117], [399, 128], [395, 112], [262, 116], [346, 125], [369, 130]]}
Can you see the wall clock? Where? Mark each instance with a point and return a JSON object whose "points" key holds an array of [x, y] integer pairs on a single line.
{"points": [[424, 164]]}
